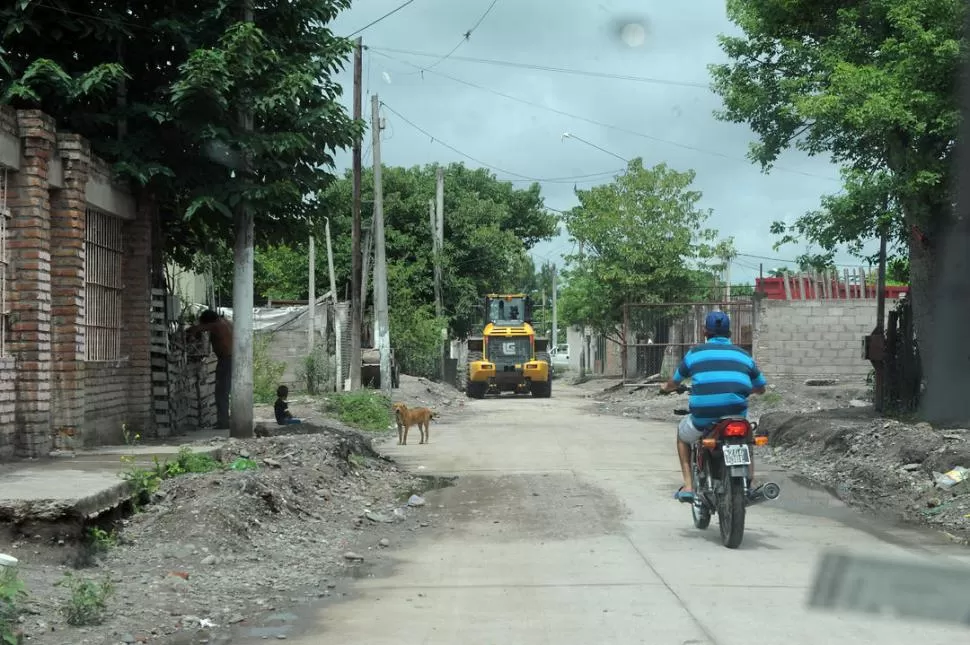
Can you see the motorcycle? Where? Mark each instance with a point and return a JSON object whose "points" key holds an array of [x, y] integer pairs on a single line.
{"points": [[721, 476]]}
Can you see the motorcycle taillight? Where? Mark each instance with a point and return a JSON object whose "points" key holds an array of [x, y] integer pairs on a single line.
{"points": [[735, 429]]}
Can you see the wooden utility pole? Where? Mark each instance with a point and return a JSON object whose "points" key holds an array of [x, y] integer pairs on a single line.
{"points": [[338, 372], [380, 258], [312, 293], [356, 313], [241, 415], [555, 313], [439, 241]]}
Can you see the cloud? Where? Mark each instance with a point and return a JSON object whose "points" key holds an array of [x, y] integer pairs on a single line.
{"points": [[460, 102]]}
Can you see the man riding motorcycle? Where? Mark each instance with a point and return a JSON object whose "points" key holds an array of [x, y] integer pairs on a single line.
{"points": [[722, 376]]}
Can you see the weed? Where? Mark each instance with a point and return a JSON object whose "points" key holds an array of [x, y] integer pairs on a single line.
{"points": [[266, 371], [243, 463], [88, 600], [317, 370], [101, 541], [357, 460], [145, 481], [771, 398], [12, 593], [188, 461], [365, 410]]}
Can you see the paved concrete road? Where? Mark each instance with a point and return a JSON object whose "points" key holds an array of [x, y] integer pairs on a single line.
{"points": [[562, 530]]}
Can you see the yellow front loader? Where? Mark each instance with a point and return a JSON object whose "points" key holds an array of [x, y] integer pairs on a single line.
{"points": [[508, 356]]}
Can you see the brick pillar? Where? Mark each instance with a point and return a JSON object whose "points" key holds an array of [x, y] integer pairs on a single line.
{"points": [[137, 317], [30, 295], [67, 291]]}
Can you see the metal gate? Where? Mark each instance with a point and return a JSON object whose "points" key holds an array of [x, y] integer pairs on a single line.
{"points": [[656, 336]]}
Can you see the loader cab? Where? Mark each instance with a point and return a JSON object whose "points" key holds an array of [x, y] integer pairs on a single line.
{"points": [[508, 310]]}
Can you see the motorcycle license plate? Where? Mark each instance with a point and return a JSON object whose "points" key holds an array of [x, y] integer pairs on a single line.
{"points": [[736, 455]]}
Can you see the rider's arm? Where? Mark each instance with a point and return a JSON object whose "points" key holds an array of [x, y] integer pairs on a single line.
{"points": [[758, 381], [682, 372]]}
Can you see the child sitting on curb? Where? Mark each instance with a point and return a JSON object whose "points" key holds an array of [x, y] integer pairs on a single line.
{"points": [[281, 408]]}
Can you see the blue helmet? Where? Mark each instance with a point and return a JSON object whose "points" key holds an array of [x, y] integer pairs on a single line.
{"points": [[717, 323]]}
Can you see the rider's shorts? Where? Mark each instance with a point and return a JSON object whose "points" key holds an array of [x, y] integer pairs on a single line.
{"points": [[686, 431]]}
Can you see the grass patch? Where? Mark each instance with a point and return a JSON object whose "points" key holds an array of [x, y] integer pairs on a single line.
{"points": [[88, 600], [12, 594], [771, 398], [364, 410], [146, 480]]}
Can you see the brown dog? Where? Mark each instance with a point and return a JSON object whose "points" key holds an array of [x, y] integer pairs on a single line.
{"points": [[406, 418]]}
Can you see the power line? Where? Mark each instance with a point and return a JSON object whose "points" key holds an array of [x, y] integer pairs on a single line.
{"points": [[465, 36], [601, 124], [543, 68], [386, 15], [476, 160]]}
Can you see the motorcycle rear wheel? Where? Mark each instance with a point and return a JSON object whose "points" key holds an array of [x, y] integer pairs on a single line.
{"points": [[730, 512]]}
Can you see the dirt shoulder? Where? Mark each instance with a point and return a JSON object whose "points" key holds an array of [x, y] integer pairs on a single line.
{"points": [[830, 436], [279, 521]]}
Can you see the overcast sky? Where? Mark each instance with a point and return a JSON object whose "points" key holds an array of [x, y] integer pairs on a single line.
{"points": [[669, 119]]}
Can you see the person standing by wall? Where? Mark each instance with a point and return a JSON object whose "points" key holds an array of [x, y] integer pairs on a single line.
{"points": [[220, 335]]}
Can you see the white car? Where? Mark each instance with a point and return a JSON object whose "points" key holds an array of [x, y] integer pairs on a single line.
{"points": [[560, 356]]}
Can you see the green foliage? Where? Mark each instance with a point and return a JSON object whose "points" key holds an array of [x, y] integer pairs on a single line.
{"points": [[173, 76], [871, 84], [87, 601], [243, 463], [644, 241], [101, 541], [12, 593], [187, 461], [317, 370], [489, 227], [416, 336], [145, 481], [266, 372], [364, 409]]}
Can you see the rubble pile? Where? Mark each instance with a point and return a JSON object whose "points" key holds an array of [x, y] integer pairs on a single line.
{"points": [[278, 523], [913, 471]]}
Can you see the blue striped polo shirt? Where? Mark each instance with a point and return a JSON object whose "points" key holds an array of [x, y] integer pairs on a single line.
{"points": [[722, 377]]}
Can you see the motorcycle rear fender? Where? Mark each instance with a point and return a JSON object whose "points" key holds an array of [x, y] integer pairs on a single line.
{"points": [[741, 471]]}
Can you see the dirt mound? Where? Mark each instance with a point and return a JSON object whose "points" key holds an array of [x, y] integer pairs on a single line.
{"points": [[272, 526], [879, 464]]}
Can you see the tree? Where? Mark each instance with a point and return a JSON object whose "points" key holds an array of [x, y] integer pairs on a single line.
{"points": [[871, 84], [489, 227], [155, 88], [643, 241]]}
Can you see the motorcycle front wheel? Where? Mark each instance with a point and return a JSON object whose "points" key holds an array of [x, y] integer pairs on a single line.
{"points": [[730, 512]]}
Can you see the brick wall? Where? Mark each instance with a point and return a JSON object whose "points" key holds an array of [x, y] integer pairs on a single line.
{"points": [[29, 294], [813, 338], [8, 406], [47, 388]]}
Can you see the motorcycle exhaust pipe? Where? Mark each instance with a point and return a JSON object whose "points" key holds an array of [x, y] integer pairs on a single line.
{"points": [[764, 493]]}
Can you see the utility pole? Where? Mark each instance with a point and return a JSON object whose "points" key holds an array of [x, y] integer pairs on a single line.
{"points": [[727, 277], [583, 345], [312, 291], [555, 314], [439, 241], [368, 244], [338, 373], [356, 314], [380, 258], [241, 416]]}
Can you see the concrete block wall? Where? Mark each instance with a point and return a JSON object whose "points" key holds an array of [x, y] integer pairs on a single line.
{"points": [[799, 339], [54, 391]]}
